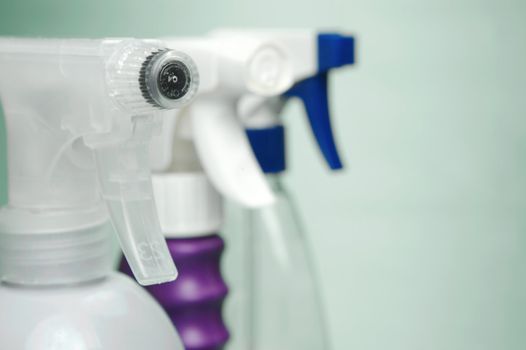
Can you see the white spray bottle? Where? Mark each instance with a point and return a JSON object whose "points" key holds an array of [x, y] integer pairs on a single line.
{"points": [[79, 118], [207, 141], [284, 308]]}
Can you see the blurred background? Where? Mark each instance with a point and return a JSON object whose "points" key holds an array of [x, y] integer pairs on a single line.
{"points": [[420, 241]]}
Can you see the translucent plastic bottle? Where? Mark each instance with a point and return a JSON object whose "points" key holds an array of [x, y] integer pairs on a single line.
{"points": [[286, 302], [276, 300]]}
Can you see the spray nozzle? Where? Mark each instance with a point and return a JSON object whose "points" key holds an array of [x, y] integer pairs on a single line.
{"points": [[92, 113], [167, 79]]}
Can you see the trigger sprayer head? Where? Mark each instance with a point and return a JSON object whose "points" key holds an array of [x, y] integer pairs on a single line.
{"points": [[235, 66], [88, 117], [331, 51]]}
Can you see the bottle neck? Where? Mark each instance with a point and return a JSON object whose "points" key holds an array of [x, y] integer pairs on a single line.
{"points": [[188, 205], [274, 181], [56, 259]]}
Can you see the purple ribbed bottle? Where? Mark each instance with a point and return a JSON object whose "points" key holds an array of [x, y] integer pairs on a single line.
{"points": [[194, 301]]}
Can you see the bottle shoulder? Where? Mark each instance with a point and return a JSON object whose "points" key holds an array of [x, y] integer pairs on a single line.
{"points": [[113, 284], [112, 313]]}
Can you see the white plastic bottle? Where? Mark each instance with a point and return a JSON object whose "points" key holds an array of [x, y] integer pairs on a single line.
{"points": [[79, 118], [78, 302]]}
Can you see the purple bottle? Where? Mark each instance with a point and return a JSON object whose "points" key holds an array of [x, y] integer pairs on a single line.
{"points": [[190, 212], [194, 301]]}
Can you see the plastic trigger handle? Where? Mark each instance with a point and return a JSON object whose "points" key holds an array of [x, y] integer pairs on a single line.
{"points": [[334, 50], [127, 190], [313, 93], [226, 155]]}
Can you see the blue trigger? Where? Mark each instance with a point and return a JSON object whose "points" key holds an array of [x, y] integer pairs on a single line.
{"points": [[334, 50], [313, 93]]}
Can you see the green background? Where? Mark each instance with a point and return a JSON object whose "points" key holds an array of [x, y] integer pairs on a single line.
{"points": [[420, 241]]}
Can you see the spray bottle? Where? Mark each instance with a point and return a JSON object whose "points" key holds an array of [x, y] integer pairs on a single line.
{"points": [[79, 117], [283, 308], [205, 156]]}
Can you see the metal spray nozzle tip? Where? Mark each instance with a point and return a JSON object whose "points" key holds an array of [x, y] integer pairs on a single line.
{"points": [[168, 79], [144, 77]]}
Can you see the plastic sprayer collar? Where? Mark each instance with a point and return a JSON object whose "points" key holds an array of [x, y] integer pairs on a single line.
{"points": [[188, 205], [59, 258]]}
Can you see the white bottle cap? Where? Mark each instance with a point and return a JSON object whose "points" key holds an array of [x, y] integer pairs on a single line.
{"points": [[188, 205]]}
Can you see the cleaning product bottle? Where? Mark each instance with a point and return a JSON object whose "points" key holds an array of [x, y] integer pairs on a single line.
{"points": [[204, 152], [283, 306], [79, 117]]}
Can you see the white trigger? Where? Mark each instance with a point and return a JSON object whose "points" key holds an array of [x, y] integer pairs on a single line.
{"points": [[226, 155]]}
